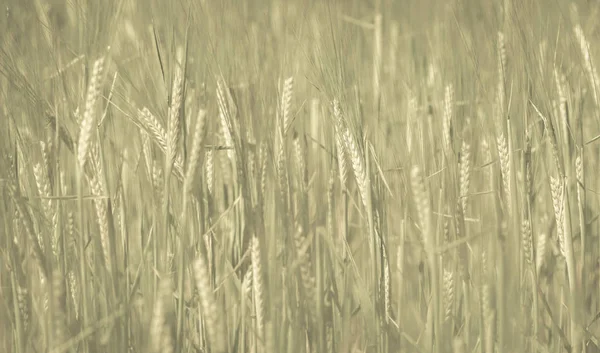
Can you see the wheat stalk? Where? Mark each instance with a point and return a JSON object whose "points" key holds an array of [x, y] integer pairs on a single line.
{"points": [[411, 114], [160, 332], [377, 57], [488, 319]]}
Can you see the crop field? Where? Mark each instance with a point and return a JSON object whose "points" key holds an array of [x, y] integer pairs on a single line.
{"points": [[299, 176]]}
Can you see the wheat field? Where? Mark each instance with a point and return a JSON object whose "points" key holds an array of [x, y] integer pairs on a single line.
{"points": [[299, 176]]}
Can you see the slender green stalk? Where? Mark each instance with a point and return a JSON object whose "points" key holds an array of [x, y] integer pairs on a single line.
{"points": [[82, 257], [575, 299]]}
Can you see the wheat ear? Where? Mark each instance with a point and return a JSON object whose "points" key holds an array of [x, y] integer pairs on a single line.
{"points": [[89, 114], [258, 287], [213, 316]]}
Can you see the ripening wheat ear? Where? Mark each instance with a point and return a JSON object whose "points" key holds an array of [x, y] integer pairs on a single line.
{"points": [[59, 308], [447, 119], [74, 289], [563, 224], [102, 215], [89, 114], [448, 288], [213, 316], [556, 189], [46, 149], [154, 127], [23, 304], [160, 136], [579, 175], [282, 170], [196, 150], [300, 159], [387, 285], [501, 48], [308, 280], [23, 215], [258, 287], [247, 283], [528, 167], [423, 207], [527, 242], [43, 184], [251, 163], [560, 81], [173, 127], [588, 62], [465, 175], [355, 154], [262, 154], [339, 144], [209, 170], [330, 201], [551, 133], [157, 181], [286, 102], [541, 252], [421, 196], [225, 118], [147, 151], [504, 167], [358, 165]]}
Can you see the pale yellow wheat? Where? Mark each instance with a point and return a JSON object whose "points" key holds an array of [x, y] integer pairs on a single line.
{"points": [[89, 115], [258, 287], [195, 153], [447, 118], [286, 102], [212, 314]]}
